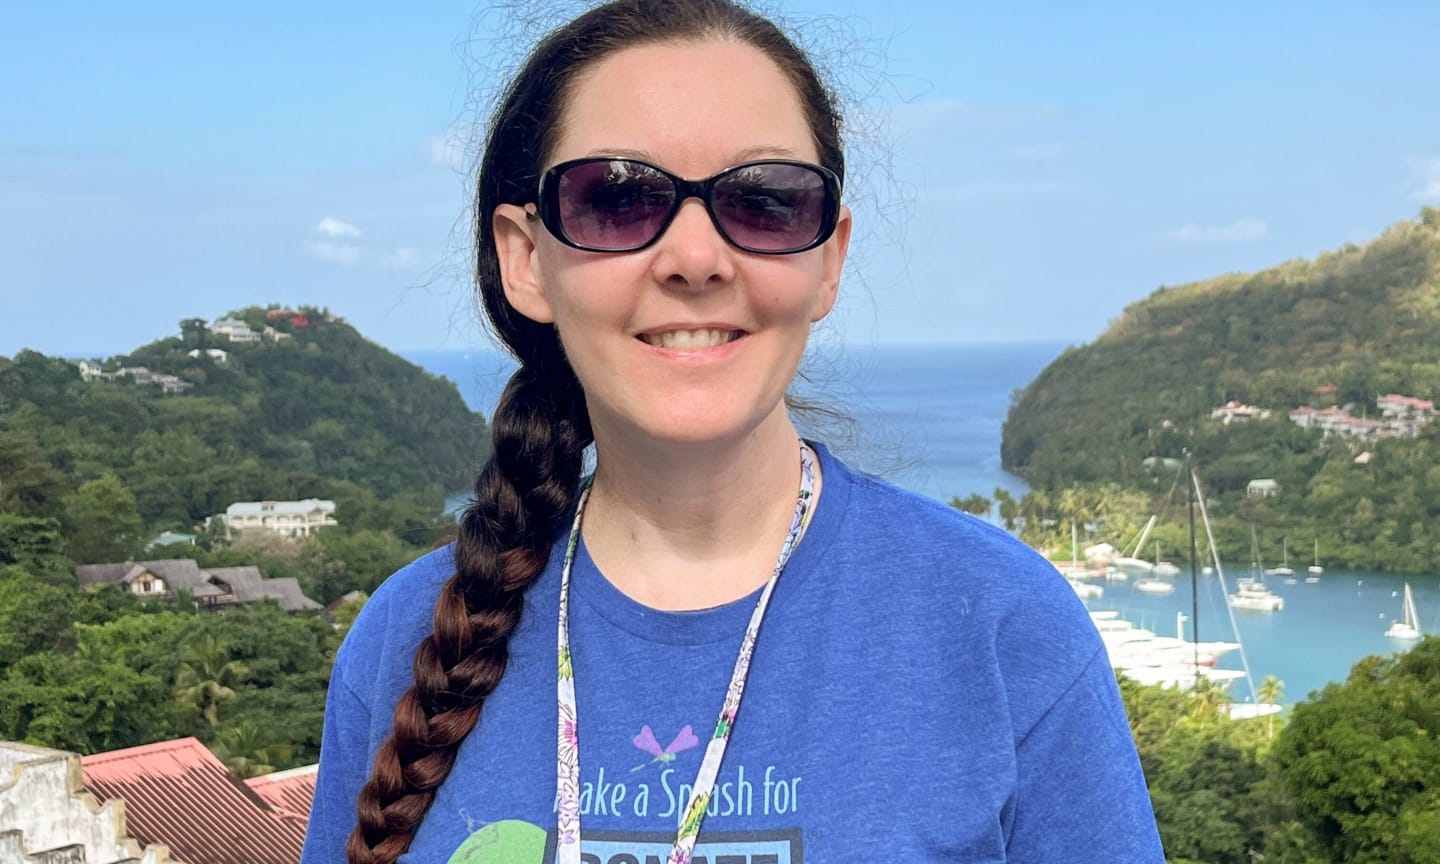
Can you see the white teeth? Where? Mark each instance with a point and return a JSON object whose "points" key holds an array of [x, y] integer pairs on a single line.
{"points": [[691, 338]]}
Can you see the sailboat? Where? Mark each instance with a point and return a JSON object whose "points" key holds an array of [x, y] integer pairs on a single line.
{"points": [[1152, 585], [1315, 569], [1409, 628], [1284, 569], [1136, 563], [1251, 592], [1163, 568]]}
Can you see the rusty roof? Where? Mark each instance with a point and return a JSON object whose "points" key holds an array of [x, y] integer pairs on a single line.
{"points": [[179, 794], [288, 792]]}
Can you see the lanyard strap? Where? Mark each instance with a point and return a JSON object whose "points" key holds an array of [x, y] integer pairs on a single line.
{"points": [[567, 768]]}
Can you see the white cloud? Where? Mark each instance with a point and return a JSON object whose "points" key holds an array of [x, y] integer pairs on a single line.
{"points": [[352, 255], [450, 149], [1239, 231], [344, 254], [1424, 180], [332, 227], [335, 249], [403, 258]]}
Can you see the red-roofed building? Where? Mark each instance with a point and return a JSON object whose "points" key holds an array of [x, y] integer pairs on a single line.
{"points": [[1395, 405], [289, 793], [47, 817], [177, 793]]}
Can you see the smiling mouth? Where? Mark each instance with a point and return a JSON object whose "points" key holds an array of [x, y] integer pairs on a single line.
{"points": [[691, 338]]}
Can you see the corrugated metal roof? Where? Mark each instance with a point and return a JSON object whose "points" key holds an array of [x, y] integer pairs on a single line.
{"points": [[177, 793], [288, 792]]}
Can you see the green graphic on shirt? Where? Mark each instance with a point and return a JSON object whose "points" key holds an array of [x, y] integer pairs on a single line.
{"points": [[508, 842]]}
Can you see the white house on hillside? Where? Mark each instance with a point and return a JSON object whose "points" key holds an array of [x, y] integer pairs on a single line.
{"points": [[1238, 412], [287, 518], [235, 330], [1262, 488]]}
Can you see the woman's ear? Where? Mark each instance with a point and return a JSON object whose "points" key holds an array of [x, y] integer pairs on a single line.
{"points": [[515, 228], [832, 264]]}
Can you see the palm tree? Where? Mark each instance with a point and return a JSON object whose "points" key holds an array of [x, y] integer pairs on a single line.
{"points": [[1270, 692], [1075, 506], [204, 679], [249, 751], [975, 504], [1009, 507], [1207, 699]]}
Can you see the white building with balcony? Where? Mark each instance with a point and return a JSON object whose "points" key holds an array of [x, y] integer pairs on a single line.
{"points": [[235, 330], [286, 518]]}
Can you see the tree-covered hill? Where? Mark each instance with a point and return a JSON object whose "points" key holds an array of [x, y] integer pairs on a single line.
{"points": [[1344, 329], [312, 409]]}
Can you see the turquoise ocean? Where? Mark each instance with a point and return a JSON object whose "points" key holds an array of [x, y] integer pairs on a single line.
{"points": [[928, 418]]}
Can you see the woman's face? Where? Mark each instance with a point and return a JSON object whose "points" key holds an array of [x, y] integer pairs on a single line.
{"points": [[690, 340]]}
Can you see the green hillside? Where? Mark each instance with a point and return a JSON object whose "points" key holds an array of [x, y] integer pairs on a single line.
{"points": [[313, 409], [1344, 329]]}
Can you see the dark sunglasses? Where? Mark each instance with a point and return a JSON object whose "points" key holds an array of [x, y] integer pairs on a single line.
{"points": [[608, 204]]}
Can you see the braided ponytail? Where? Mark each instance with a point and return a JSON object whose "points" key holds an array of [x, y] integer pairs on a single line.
{"points": [[521, 500], [541, 428]]}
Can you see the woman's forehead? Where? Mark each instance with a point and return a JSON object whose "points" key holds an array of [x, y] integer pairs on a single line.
{"points": [[690, 106]]}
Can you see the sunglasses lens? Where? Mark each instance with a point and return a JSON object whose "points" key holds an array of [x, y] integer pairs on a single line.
{"points": [[613, 203], [771, 206]]}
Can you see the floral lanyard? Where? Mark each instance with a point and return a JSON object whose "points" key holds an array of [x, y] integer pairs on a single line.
{"points": [[567, 770]]}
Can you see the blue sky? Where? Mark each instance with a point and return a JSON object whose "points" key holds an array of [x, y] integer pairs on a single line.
{"points": [[1020, 171]]}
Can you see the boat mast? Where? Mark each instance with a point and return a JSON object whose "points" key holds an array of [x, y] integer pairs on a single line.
{"points": [[1220, 575], [1194, 574], [1140, 544]]}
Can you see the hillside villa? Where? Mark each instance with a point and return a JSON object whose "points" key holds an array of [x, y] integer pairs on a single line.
{"points": [[215, 589], [139, 374], [1400, 417], [234, 329], [286, 518]]}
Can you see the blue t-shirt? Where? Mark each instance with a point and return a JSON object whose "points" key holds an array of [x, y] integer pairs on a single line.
{"points": [[924, 689]]}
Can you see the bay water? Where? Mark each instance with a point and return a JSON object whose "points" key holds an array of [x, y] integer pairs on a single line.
{"points": [[928, 418]]}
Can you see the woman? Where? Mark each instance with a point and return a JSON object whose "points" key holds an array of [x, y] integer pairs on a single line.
{"points": [[659, 224]]}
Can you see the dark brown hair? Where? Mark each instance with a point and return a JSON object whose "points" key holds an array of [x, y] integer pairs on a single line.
{"points": [[540, 429]]}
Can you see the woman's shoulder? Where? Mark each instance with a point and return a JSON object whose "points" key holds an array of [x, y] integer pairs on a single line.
{"points": [[394, 620], [951, 579], [950, 572], [895, 521]]}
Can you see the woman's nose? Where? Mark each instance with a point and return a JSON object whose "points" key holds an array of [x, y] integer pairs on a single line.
{"points": [[692, 253]]}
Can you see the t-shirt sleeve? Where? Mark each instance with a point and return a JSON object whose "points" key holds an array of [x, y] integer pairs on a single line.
{"points": [[344, 768], [1089, 803]]}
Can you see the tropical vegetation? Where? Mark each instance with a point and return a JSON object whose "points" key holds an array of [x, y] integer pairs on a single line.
{"points": [[1344, 329], [94, 471], [1352, 775]]}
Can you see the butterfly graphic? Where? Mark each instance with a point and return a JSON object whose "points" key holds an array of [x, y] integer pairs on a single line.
{"points": [[646, 741]]}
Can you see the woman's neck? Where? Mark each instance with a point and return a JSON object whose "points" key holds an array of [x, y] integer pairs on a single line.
{"points": [[692, 528]]}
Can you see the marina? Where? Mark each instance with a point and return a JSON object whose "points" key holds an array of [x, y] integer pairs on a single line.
{"points": [[1324, 628]]}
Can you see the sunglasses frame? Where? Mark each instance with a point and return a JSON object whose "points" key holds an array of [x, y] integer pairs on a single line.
{"points": [[548, 202]]}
